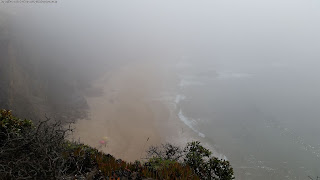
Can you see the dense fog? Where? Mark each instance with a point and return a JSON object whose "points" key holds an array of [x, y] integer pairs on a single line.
{"points": [[259, 58], [236, 32]]}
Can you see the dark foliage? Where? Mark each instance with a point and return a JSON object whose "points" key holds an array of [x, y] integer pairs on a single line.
{"points": [[194, 156], [40, 151], [166, 151], [28, 151]]}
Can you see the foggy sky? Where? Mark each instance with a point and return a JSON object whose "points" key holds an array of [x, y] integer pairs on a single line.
{"points": [[90, 37], [236, 31]]}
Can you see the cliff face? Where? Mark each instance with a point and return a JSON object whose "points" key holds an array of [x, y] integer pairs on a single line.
{"points": [[4, 69], [15, 87], [33, 86]]}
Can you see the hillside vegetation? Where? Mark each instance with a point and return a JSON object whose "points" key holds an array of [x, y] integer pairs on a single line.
{"points": [[41, 151]]}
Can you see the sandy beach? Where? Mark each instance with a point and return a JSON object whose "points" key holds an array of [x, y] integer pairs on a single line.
{"points": [[134, 107], [123, 109]]}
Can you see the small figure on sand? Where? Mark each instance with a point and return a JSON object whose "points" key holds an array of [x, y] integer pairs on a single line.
{"points": [[103, 142]]}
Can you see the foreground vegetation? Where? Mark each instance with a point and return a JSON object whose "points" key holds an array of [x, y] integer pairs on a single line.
{"points": [[41, 151]]}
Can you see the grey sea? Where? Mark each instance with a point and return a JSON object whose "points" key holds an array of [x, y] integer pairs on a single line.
{"points": [[264, 117]]}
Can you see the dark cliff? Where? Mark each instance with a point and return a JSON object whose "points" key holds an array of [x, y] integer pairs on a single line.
{"points": [[33, 85]]}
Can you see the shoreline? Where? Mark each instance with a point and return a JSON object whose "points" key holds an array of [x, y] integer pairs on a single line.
{"points": [[183, 133], [133, 108]]}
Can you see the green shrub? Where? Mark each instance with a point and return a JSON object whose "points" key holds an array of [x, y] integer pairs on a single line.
{"points": [[31, 151], [194, 156], [159, 168], [12, 126], [41, 151]]}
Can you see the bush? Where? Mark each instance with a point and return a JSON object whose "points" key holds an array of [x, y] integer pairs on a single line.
{"points": [[166, 151], [194, 156], [40, 151], [11, 126], [30, 151], [159, 168], [219, 169]]}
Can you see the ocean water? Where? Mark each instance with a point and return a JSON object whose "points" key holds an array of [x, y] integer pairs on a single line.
{"points": [[263, 117]]}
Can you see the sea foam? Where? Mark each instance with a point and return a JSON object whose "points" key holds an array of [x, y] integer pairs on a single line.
{"points": [[179, 98], [189, 123]]}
